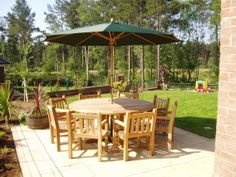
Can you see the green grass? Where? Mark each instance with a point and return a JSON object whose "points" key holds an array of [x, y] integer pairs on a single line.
{"points": [[2, 134], [196, 112]]}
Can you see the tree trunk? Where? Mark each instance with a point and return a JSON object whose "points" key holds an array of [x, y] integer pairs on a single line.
{"points": [[63, 60], [189, 75], [216, 47], [129, 63], [87, 64], [26, 99], [158, 46], [57, 68], [158, 63], [142, 66]]}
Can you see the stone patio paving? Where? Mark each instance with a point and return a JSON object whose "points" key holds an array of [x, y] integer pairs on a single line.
{"points": [[192, 156]]}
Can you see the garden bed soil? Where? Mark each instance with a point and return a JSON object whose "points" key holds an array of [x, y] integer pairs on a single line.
{"points": [[9, 164]]}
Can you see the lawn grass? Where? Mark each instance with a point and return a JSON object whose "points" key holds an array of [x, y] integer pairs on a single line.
{"points": [[196, 112]]}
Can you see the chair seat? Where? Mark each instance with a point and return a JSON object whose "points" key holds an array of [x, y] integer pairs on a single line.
{"points": [[93, 135], [63, 126], [162, 123], [165, 125], [87, 126], [135, 125], [134, 135]]}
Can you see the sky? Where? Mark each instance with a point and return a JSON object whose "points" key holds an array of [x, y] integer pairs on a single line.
{"points": [[37, 6]]}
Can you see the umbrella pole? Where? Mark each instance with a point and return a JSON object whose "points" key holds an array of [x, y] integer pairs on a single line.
{"points": [[112, 64], [112, 68]]}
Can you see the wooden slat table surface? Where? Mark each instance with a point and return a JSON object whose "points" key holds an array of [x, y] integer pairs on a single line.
{"points": [[105, 107]]}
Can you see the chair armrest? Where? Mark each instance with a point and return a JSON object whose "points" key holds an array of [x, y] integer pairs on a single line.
{"points": [[64, 110], [116, 121], [163, 118]]}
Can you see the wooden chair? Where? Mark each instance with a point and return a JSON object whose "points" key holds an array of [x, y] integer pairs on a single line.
{"points": [[60, 103], [165, 124], [155, 101], [89, 96], [57, 129], [87, 126], [135, 125], [162, 105], [131, 95]]}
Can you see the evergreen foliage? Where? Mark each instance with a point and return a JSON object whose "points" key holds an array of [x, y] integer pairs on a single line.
{"points": [[195, 22]]}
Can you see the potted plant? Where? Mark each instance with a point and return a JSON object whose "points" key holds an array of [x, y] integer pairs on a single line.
{"points": [[119, 87], [37, 118]]}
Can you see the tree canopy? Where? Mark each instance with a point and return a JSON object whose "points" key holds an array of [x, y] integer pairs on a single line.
{"points": [[195, 22]]}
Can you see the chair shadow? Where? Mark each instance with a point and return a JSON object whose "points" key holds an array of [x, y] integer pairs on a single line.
{"points": [[142, 153]]}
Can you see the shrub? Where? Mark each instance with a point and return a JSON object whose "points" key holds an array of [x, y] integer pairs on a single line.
{"points": [[5, 93]]}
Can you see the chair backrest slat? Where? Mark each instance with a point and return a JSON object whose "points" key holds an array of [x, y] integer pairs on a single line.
{"points": [[89, 124], [89, 96], [162, 105], [60, 103], [139, 123], [131, 95]]}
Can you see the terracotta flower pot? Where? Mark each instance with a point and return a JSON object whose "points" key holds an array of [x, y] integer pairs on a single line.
{"points": [[37, 121]]}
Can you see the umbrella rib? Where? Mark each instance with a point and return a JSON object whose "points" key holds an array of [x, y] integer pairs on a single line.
{"points": [[58, 37], [85, 39], [162, 35], [102, 36], [143, 38], [119, 36]]}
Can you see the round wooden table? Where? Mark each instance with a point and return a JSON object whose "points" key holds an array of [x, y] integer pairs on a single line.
{"points": [[105, 107]]}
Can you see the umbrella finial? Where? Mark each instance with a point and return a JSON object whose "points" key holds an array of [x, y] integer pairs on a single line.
{"points": [[111, 20]]}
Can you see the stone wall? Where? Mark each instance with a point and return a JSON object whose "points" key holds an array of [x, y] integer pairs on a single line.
{"points": [[225, 149]]}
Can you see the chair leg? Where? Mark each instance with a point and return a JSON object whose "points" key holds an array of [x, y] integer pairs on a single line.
{"points": [[106, 143], [169, 141], [52, 133], [152, 145], [58, 141], [100, 149], [80, 144], [125, 153], [70, 147], [138, 141], [114, 137], [114, 142]]}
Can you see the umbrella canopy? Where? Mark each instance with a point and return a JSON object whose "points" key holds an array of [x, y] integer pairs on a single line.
{"points": [[111, 34]]}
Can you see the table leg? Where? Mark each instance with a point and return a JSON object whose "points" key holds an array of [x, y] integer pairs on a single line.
{"points": [[111, 127]]}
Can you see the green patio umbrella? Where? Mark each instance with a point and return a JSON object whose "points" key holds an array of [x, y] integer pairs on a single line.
{"points": [[111, 34]]}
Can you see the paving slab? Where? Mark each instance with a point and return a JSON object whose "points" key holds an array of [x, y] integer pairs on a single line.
{"points": [[192, 156]]}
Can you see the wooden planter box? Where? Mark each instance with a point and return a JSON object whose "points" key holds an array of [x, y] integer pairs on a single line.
{"points": [[37, 122]]}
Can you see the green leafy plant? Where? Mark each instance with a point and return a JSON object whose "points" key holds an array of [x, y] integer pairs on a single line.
{"points": [[119, 86], [5, 110], [2, 134], [4, 151], [39, 101], [22, 117], [8, 165]]}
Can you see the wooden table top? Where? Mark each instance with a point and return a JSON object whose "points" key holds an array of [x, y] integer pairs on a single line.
{"points": [[104, 105]]}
